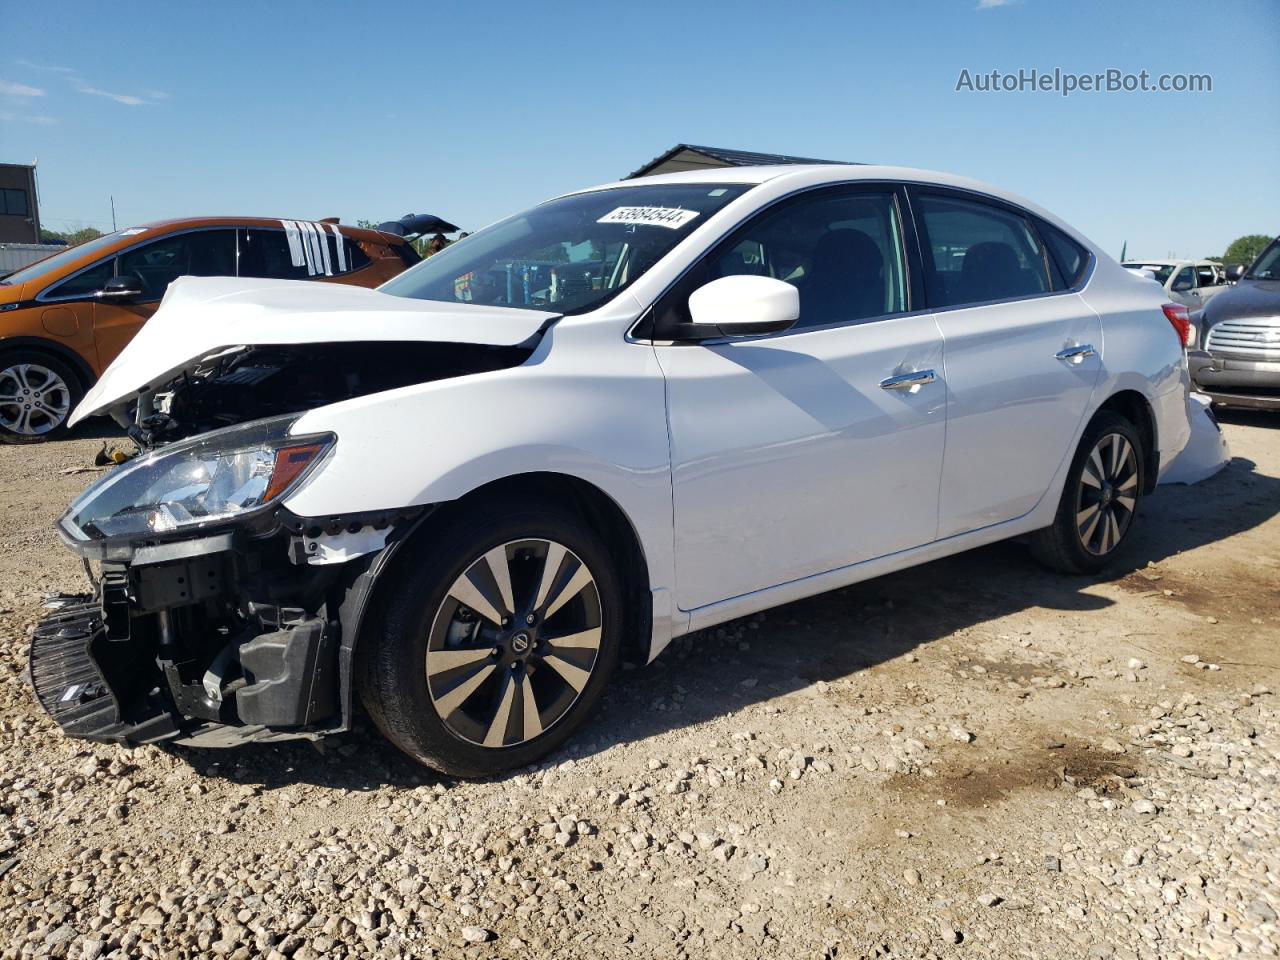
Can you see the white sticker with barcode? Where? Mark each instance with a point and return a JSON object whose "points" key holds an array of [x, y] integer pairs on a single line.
{"points": [[671, 217]]}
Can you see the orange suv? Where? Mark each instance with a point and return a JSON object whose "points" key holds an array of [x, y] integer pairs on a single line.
{"points": [[64, 318]]}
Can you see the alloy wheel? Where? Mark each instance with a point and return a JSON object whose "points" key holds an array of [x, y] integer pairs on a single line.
{"points": [[514, 643], [1108, 494], [33, 399]]}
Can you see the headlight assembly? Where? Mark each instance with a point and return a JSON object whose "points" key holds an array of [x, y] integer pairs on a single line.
{"points": [[198, 482]]}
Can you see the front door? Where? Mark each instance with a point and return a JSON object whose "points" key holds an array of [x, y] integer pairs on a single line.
{"points": [[1183, 289], [195, 253], [799, 453], [1021, 359]]}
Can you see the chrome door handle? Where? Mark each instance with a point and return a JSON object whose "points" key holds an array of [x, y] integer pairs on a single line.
{"points": [[905, 381], [1076, 354]]}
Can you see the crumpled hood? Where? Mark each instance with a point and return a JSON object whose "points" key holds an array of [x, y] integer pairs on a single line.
{"points": [[203, 316]]}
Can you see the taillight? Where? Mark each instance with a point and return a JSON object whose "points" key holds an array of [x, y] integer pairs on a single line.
{"points": [[1180, 319]]}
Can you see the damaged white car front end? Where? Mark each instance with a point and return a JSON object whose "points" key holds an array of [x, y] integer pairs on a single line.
{"points": [[217, 608]]}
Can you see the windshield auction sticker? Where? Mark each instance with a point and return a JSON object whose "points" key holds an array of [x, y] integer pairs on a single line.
{"points": [[671, 217]]}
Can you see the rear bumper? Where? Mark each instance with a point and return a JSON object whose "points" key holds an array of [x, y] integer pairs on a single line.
{"points": [[1240, 383]]}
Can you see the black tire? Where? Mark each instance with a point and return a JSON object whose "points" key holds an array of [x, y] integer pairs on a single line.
{"points": [[66, 396], [1064, 546], [393, 673]]}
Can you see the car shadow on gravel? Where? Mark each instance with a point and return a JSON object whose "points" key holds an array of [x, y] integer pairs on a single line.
{"points": [[1267, 419], [828, 637]]}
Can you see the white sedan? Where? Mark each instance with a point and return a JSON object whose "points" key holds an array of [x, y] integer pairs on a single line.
{"points": [[625, 414]]}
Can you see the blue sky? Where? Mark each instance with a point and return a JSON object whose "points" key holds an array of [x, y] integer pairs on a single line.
{"points": [[471, 111]]}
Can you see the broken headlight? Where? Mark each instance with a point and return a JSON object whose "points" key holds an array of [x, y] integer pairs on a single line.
{"points": [[210, 478]]}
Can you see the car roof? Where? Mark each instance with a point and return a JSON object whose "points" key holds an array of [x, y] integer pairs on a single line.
{"points": [[1164, 263], [184, 223], [817, 173]]}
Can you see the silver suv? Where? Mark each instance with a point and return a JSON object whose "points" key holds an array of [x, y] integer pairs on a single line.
{"points": [[1239, 360]]}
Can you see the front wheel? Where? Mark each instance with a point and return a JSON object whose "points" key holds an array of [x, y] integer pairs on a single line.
{"points": [[1099, 500], [37, 394], [502, 632]]}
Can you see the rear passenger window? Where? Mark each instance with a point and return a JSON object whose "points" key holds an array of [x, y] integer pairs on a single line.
{"points": [[978, 252], [1070, 258], [266, 253], [300, 252]]}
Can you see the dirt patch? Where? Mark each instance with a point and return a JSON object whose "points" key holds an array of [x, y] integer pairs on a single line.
{"points": [[963, 783]]}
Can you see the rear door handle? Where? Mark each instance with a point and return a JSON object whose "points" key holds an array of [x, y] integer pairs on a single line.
{"points": [[905, 381], [1076, 354]]}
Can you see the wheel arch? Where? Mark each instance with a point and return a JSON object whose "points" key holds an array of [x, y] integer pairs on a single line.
{"points": [[1134, 407], [601, 512], [54, 349], [365, 592]]}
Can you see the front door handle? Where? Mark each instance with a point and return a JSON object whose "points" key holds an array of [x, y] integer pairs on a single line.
{"points": [[905, 381], [1076, 354]]}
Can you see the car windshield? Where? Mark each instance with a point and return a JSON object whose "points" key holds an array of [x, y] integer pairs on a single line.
{"points": [[47, 266], [568, 255], [1267, 266], [1161, 270]]}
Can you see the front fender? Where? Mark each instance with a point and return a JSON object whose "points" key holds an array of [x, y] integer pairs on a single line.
{"points": [[586, 404]]}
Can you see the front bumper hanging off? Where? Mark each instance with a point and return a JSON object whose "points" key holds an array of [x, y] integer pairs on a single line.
{"points": [[72, 689], [213, 641]]}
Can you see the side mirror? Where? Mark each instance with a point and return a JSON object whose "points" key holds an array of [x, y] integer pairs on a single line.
{"points": [[1235, 272], [743, 306], [124, 287], [1180, 286]]}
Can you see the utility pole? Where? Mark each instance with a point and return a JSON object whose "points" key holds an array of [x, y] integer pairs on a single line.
{"points": [[113, 214]]}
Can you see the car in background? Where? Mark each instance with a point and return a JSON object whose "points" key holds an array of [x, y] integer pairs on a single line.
{"points": [[1238, 363], [1191, 283], [625, 414], [64, 319]]}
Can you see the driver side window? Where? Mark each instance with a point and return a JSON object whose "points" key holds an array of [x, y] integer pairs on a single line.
{"points": [[1185, 279], [842, 249], [86, 283], [200, 253]]}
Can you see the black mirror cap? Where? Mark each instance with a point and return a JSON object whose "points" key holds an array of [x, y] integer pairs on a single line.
{"points": [[122, 287], [1235, 272]]}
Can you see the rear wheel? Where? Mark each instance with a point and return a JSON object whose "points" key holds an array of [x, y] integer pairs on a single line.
{"points": [[37, 394], [1099, 500], [498, 642]]}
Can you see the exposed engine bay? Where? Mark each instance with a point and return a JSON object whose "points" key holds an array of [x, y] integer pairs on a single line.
{"points": [[250, 383]]}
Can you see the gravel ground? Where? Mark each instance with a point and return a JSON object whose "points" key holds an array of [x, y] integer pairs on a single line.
{"points": [[970, 759]]}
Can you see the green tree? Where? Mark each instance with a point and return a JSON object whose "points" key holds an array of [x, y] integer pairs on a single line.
{"points": [[83, 235], [1246, 249]]}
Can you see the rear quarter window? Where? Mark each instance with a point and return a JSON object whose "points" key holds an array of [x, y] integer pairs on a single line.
{"points": [[1069, 257]]}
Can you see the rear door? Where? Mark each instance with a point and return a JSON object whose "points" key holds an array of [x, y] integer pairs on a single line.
{"points": [[1021, 358], [797, 453], [192, 253]]}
